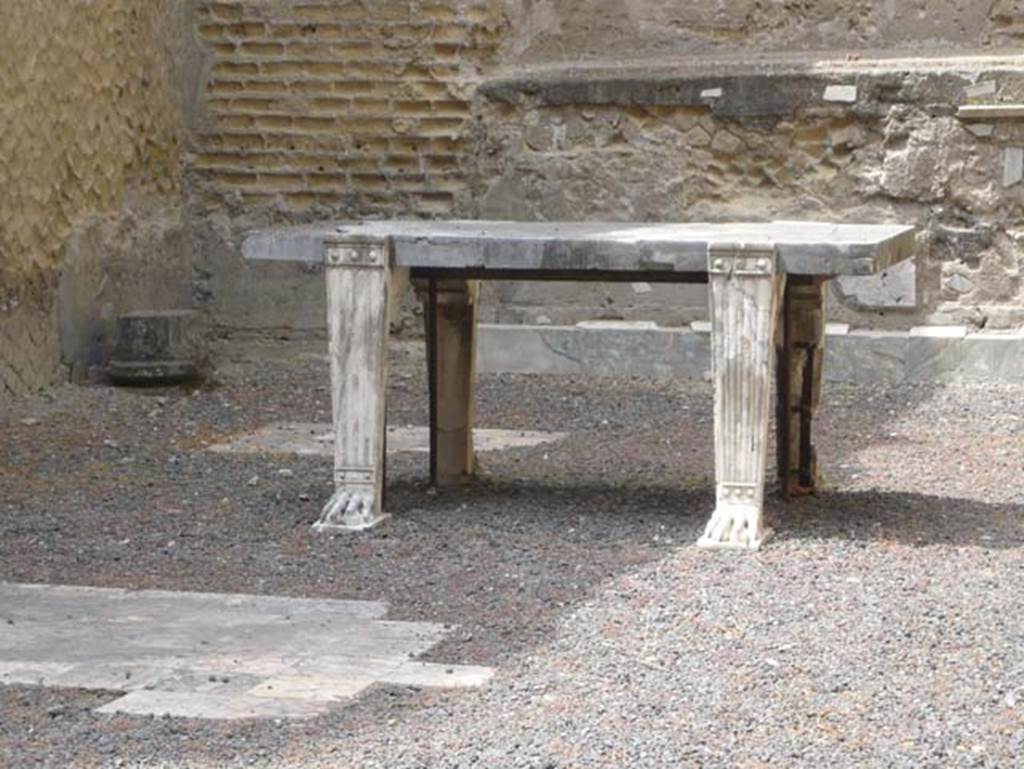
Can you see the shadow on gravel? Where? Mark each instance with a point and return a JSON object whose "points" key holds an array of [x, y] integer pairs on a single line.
{"points": [[901, 517]]}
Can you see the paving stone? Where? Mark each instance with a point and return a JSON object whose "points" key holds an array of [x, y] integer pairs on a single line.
{"points": [[208, 655], [317, 439], [315, 688], [433, 674], [212, 706]]}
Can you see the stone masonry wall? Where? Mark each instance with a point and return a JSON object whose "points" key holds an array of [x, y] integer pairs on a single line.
{"points": [[647, 109], [91, 125]]}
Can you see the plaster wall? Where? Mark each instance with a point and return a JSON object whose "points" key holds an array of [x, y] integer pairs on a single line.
{"points": [[92, 127]]}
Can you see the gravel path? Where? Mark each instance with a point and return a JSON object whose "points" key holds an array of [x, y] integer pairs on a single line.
{"points": [[884, 626]]}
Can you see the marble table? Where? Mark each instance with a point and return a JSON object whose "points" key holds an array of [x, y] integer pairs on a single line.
{"points": [[766, 289]]}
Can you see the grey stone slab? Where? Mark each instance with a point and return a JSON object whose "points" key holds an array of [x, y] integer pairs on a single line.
{"points": [[202, 655], [212, 706], [925, 354], [140, 605], [317, 439], [112, 676], [343, 666], [935, 354], [817, 248], [317, 688], [893, 288], [657, 352], [31, 673], [993, 357], [866, 357], [749, 85], [432, 674]]}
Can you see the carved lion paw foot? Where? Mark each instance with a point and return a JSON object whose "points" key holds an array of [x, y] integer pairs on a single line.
{"points": [[735, 526], [349, 510]]}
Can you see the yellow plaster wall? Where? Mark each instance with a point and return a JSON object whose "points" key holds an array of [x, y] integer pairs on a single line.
{"points": [[91, 110]]}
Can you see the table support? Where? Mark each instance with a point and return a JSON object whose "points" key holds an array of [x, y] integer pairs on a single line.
{"points": [[801, 350], [745, 290], [358, 282], [450, 320]]}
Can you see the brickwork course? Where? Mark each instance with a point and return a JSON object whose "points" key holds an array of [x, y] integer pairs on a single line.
{"points": [[324, 102]]}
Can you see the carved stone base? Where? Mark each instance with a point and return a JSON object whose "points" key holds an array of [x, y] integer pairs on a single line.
{"points": [[350, 510], [735, 526]]}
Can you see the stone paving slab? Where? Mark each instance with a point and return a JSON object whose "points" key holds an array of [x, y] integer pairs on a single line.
{"points": [[317, 439], [205, 655]]}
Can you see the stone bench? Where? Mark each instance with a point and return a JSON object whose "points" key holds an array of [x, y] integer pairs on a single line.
{"points": [[766, 291]]}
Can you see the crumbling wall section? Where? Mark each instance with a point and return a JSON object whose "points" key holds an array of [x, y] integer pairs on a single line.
{"points": [[566, 31], [818, 109], [892, 149]]}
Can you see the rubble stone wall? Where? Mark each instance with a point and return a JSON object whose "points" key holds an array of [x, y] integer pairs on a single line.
{"points": [[648, 109]]}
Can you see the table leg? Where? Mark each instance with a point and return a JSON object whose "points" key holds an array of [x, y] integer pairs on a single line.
{"points": [[801, 350], [745, 288], [450, 320], [358, 280]]}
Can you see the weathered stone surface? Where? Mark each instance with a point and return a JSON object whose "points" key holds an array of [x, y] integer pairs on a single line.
{"points": [[992, 356], [311, 438], [898, 153], [591, 29], [664, 353], [894, 288], [157, 346], [859, 355], [217, 656], [133, 262], [935, 354], [803, 247], [866, 357]]}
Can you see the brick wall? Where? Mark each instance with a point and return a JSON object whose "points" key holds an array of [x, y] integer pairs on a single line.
{"points": [[360, 105]]}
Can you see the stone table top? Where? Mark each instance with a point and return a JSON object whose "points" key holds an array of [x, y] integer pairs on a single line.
{"points": [[808, 248]]}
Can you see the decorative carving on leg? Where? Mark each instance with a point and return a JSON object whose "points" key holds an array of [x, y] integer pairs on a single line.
{"points": [[350, 509], [358, 282], [801, 349], [745, 289]]}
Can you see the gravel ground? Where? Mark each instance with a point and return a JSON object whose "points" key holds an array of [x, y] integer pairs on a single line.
{"points": [[882, 627]]}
